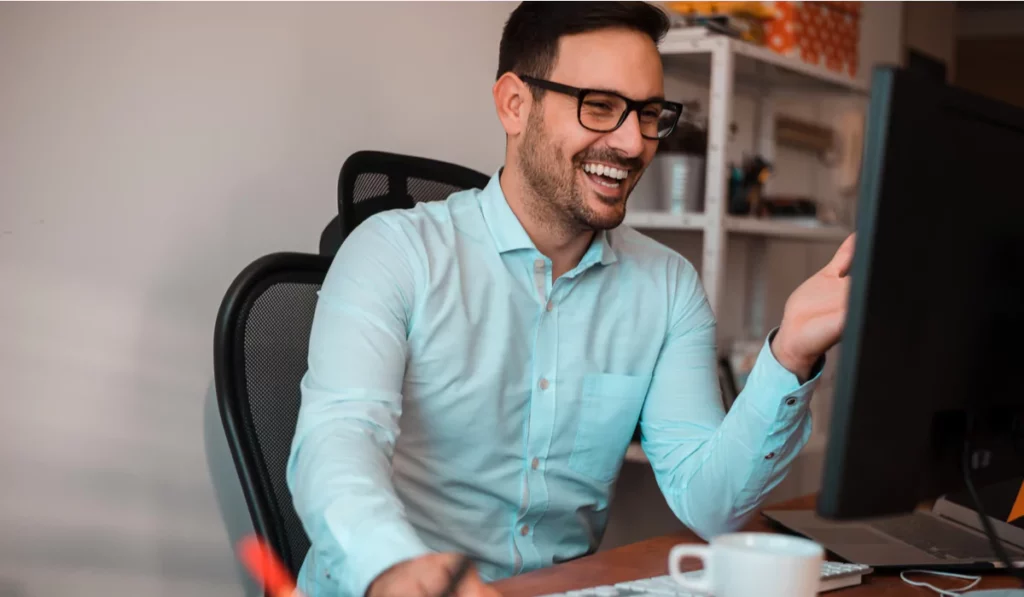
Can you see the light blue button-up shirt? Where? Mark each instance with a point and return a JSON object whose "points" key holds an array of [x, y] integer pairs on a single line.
{"points": [[459, 399]]}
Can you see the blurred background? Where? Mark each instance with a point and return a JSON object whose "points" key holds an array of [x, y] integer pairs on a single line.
{"points": [[150, 151]]}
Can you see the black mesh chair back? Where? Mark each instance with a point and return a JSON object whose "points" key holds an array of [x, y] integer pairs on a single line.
{"points": [[375, 181], [261, 343]]}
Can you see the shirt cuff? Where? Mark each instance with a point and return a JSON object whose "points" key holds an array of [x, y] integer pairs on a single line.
{"points": [[772, 384], [373, 548]]}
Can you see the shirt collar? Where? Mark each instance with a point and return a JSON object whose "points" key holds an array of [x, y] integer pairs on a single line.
{"points": [[509, 234], [603, 244]]}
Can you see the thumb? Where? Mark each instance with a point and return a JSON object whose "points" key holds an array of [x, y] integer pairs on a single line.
{"points": [[841, 261]]}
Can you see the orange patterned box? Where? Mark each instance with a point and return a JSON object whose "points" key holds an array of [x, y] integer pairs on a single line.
{"points": [[821, 33]]}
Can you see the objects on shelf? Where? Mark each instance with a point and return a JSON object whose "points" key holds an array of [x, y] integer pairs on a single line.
{"points": [[780, 206], [825, 34], [808, 136], [820, 33], [674, 181], [747, 197], [742, 20], [746, 185]]}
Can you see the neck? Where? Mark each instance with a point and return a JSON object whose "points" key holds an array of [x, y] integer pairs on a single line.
{"points": [[560, 241]]}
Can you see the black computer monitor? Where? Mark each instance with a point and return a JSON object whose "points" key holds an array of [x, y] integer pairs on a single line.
{"points": [[933, 349]]}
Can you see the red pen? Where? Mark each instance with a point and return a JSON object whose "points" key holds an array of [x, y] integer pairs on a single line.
{"points": [[266, 567]]}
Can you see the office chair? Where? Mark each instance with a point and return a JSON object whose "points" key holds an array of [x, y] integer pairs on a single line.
{"points": [[375, 181], [261, 342]]}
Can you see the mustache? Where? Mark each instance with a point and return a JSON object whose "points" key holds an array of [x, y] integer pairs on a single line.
{"points": [[611, 158]]}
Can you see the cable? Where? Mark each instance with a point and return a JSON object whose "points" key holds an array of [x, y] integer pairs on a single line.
{"points": [[943, 592], [993, 538]]}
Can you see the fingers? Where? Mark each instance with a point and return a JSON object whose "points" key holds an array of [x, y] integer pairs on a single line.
{"points": [[473, 586], [426, 576], [841, 261]]}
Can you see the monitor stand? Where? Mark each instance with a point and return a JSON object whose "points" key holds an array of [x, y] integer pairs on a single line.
{"points": [[996, 593]]}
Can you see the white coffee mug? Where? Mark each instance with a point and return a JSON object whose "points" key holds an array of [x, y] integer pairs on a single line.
{"points": [[751, 565]]}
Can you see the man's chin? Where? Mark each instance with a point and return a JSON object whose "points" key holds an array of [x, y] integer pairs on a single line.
{"points": [[605, 217]]}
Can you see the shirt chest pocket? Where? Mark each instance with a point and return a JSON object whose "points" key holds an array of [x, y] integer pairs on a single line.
{"points": [[609, 410]]}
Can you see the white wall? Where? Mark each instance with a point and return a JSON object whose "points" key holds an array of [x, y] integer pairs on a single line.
{"points": [[147, 153]]}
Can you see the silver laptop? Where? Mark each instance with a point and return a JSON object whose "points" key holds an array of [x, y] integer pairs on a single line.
{"points": [[949, 535]]}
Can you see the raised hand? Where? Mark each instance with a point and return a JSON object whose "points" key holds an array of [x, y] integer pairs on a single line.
{"points": [[815, 314]]}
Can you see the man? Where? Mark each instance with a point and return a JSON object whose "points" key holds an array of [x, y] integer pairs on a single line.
{"points": [[477, 366]]}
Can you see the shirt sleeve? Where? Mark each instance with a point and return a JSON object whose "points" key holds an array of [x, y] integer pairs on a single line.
{"points": [[339, 469], [715, 469]]}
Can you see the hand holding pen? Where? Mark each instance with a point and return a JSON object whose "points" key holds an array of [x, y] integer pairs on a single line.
{"points": [[434, 575]]}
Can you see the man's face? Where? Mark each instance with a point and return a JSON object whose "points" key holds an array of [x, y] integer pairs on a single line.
{"points": [[556, 149]]}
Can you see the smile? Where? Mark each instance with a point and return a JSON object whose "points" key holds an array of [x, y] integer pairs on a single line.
{"points": [[604, 175]]}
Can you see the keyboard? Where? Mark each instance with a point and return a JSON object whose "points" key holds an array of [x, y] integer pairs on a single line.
{"points": [[834, 575]]}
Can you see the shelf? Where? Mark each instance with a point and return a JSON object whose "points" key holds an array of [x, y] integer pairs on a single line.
{"points": [[777, 228], [653, 220], [783, 229], [756, 66]]}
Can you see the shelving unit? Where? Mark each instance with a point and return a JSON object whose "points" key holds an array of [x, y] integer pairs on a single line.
{"points": [[754, 67], [728, 66], [653, 220], [783, 229]]}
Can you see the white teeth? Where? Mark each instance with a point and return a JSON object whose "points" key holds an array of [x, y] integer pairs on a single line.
{"points": [[603, 170]]}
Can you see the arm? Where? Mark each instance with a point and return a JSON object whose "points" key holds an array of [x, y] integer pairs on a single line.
{"points": [[714, 469], [339, 470]]}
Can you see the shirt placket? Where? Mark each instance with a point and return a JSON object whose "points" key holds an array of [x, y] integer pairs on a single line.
{"points": [[540, 423]]}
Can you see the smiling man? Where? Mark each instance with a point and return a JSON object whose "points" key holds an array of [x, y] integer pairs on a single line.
{"points": [[477, 366]]}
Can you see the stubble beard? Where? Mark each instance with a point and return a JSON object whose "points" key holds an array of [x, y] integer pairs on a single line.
{"points": [[554, 196]]}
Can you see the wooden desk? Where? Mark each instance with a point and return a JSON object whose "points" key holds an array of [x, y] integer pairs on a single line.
{"points": [[648, 558]]}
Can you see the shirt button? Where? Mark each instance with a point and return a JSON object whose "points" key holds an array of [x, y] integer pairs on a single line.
{"points": [[551, 306], [525, 530], [539, 264], [790, 401], [544, 383], [769, 455], [535, 464]]}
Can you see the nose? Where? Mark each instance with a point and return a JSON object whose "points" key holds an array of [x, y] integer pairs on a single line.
{"points": [[627, 138]]}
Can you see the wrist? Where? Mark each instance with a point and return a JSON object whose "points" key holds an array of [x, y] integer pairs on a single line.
{"points": [[792, 360]]}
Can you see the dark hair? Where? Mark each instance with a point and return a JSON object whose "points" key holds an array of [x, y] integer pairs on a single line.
{"points": [[529, 43]]}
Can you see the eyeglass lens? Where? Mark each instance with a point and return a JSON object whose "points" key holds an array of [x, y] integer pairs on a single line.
{"points": [[601, 112]]}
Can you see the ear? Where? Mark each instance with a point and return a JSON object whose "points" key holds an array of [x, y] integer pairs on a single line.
{"points": [[512, 100]]}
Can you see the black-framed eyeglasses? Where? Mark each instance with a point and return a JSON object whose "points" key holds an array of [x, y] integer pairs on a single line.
{"points": [[604, 111]]}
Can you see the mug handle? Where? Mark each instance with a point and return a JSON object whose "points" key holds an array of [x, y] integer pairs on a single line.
{"points": [[675, 559]]}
